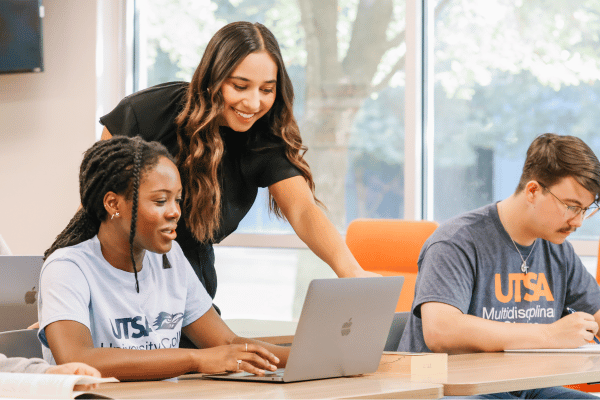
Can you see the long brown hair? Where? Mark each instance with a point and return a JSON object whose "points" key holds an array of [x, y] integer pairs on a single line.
{"points": [[201, 147]]}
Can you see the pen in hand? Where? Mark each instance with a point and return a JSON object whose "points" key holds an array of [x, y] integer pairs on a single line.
{"points": [[571, 311]]}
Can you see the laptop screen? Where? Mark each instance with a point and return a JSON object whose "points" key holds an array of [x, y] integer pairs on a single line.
{"points": [[18, 291]]}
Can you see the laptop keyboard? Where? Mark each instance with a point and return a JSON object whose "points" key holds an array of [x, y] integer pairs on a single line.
{"points": [[279, 372]]}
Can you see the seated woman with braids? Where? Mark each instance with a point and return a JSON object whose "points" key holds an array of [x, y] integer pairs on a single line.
{"points": [[114, 282]]}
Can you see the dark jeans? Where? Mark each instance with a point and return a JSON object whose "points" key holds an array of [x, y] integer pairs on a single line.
{"points": [[202, 258], [557, 392]]}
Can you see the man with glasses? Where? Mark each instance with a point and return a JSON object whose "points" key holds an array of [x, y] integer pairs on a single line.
{"points": [[503, 276]]}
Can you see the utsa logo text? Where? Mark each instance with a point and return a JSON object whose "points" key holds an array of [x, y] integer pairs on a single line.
{"points": [[535, 285], [138, 330]]}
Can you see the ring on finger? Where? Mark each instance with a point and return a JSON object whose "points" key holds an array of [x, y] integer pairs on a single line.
{"points": [[246, 347], [238, 364]]}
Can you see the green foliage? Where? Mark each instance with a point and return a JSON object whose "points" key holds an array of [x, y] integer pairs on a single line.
{"points": [[557, 41], [505, 71], [179, 28]]}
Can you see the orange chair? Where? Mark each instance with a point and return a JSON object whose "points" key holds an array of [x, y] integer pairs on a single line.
{"points": [[390, 247], [584, 387]]}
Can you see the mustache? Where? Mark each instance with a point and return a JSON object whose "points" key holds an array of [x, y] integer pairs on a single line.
{"points": [[565, 230]]}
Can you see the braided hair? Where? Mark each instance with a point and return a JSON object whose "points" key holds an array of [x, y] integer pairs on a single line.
{"points": [[114, 165], [137, 161]]}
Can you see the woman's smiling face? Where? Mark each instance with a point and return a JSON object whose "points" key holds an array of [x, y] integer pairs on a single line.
{"points": [[250, 91]]}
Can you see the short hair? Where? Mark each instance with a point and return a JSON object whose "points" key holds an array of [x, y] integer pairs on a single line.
{"points": [[552, 157]]}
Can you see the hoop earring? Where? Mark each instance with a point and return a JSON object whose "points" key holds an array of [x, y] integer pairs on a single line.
{"points": [[114, 215]]}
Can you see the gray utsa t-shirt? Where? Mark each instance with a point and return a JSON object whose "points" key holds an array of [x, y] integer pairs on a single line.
{"points": [[470, 263]]}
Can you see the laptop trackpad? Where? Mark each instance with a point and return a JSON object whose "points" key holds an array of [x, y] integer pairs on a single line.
{"points": [[275, 376]]}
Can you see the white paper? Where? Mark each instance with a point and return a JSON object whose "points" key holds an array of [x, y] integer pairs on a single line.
{"points": [[44, 386], [586, 348]]}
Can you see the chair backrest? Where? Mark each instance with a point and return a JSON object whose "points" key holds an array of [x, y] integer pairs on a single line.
{"points": [[584, 387], [21, 343], [390, 247], [396, 331], [598, 266]]}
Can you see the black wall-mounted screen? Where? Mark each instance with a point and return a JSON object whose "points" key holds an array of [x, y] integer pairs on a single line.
{"points": [[21, 36]]}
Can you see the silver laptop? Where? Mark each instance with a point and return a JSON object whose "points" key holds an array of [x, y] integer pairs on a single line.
{"points": [[19, 281], [342, 330], [396, 330]]}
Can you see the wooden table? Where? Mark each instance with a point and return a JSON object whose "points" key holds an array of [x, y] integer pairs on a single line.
{"points": [[277, 332], [468, 374], [482, 373], [504, 372], [195, 387]]}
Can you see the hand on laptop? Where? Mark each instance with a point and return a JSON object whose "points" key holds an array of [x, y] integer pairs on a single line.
{"points": [[236, 358], [34, 326]]}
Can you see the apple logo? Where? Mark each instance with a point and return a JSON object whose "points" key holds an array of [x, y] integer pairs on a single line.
{"points": [[346, 327], [30, 296]]}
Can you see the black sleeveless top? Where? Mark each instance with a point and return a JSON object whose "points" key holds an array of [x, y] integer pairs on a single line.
{"points": [[251, 160]]}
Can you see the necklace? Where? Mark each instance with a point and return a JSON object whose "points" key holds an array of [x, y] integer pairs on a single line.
{"points": [[524, 266]]}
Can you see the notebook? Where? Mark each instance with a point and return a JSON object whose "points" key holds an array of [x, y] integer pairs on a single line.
{"points": [[342, 330], [586, 348], [18, 291]]}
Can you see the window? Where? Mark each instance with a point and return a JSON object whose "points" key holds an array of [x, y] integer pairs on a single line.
{"points": [[346, 64], [269, 284], [505, 72], [500, 73]]}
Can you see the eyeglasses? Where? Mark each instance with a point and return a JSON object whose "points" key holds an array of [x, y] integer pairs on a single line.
{"points": [[574, 211]]}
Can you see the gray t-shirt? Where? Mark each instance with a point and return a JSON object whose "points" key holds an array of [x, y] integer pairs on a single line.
{"points": [[470, 263]]}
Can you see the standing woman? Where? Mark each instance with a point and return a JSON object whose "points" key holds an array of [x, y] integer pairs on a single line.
{"points": [[232, 130]]}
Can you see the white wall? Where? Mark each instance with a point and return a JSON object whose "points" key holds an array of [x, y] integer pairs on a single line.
{"points": [[47, 120]]}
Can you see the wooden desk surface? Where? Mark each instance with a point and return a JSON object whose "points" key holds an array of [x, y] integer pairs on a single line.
{"points": [[481, 373], [468, 374], [195, 387]]}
